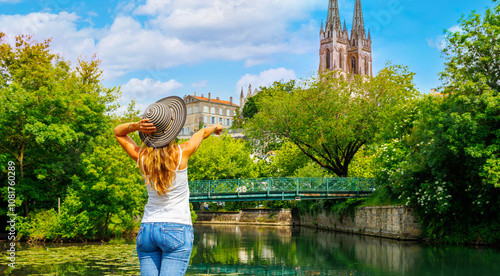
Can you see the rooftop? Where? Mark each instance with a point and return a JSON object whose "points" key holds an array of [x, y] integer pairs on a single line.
{"points": [[213, 100]]}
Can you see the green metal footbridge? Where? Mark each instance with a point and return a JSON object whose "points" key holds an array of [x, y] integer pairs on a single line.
{"points": [[281, 188]]}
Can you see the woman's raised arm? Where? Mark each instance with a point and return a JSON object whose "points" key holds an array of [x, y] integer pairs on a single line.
{"points": [[129, 145], [191, 146]]}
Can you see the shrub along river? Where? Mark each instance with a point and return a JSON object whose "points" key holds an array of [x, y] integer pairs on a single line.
{"points": [[258, 250]]}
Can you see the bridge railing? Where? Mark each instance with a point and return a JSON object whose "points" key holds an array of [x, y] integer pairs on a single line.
{"points": [[298, 184]]}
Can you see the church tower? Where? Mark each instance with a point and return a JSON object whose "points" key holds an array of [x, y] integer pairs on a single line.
{"points": [[338, 50]]}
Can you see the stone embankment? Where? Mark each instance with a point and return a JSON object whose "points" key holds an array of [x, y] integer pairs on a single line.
{"points": [[397, 222], [280, 217]]}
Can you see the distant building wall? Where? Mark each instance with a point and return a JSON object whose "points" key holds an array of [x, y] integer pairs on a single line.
{"points": [[208, 111]]}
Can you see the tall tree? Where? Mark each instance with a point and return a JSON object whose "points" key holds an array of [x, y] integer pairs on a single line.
{"points": [[330, 118], [48, 115], [447, 163]]}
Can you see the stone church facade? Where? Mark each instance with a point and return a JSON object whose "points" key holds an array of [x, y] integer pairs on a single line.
{"points": [[339, 51]]}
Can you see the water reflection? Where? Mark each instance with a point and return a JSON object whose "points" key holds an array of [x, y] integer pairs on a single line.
{"points": [[252, 250], [257, 250]]}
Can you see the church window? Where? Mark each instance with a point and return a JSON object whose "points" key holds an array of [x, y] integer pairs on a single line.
{"points": [[328, 59], [353, 65], [213, 110], [205, 109], [340, 60], [366, 67], [228, 113], [220, 111], [189, 110], [196, 109]]}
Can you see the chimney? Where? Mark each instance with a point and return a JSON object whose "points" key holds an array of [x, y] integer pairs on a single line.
{"points": [[217, 98], [202, 95], [195, 94], [231, 100], [433, 90], [208, 96]]}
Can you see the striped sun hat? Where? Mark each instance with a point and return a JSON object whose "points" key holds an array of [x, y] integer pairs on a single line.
{"points": [[168, 115]]}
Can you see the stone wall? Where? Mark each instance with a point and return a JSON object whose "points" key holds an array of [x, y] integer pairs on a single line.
{"points": [[397, 222], [248, 216]]}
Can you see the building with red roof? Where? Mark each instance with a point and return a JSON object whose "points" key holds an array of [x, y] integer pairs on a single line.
{"points": [[205, 111]]}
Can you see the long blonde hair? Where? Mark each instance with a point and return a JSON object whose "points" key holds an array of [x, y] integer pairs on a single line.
{"points": [[158, 166]]}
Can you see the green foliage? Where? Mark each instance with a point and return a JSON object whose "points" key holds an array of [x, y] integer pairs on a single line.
{"points": [[54, 125], [194, 216], [250, 108], [311, 169], [109, 184], [446, 155], [363, 164], [236, 205], [39, 226], [333, 206], [383, 196], [277, 204], [237, 120], [347, 207], [222, 158], [48, 116], [331, 118], [288, 160]]}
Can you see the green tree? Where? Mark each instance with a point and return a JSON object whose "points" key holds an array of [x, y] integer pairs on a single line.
{"points": [[49, 113], [237, 120], [331, 118], [109, 191], [446, 161], [222, 158], [250, 108]]}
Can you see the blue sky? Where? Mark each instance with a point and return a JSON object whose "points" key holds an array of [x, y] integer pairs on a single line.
{"points": [[158, 48]]}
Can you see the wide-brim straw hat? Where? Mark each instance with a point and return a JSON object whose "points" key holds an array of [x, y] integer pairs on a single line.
{"points": [[168, 115]]}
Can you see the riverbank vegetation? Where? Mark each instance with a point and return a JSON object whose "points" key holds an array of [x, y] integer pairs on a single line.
{"points": [[439, 153]]}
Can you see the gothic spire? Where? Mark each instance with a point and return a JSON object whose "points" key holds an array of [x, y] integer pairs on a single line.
{"points": [[358, 25], [333, 15], [249, 93]]}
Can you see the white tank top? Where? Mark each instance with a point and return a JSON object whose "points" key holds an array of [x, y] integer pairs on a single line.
{"points": [[172, 207]]}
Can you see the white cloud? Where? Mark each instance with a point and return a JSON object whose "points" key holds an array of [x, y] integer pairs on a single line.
{"points": [[67, 40], [455, 29], [439, 42], [149, 88], [199, 84], [265, 78], [178, 32]]}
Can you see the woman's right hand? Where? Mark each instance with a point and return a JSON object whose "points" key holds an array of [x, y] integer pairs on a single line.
{"points": [[218, 128], [144, 126]]}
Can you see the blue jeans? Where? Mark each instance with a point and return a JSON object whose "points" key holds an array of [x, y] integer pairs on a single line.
{"points": [[164, 248]]}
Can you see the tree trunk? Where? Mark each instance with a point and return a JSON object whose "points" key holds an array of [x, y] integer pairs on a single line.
{"points": [[21, 173]]}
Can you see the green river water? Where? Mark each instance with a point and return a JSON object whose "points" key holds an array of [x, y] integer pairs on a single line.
{"points": [[258, 250]]}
